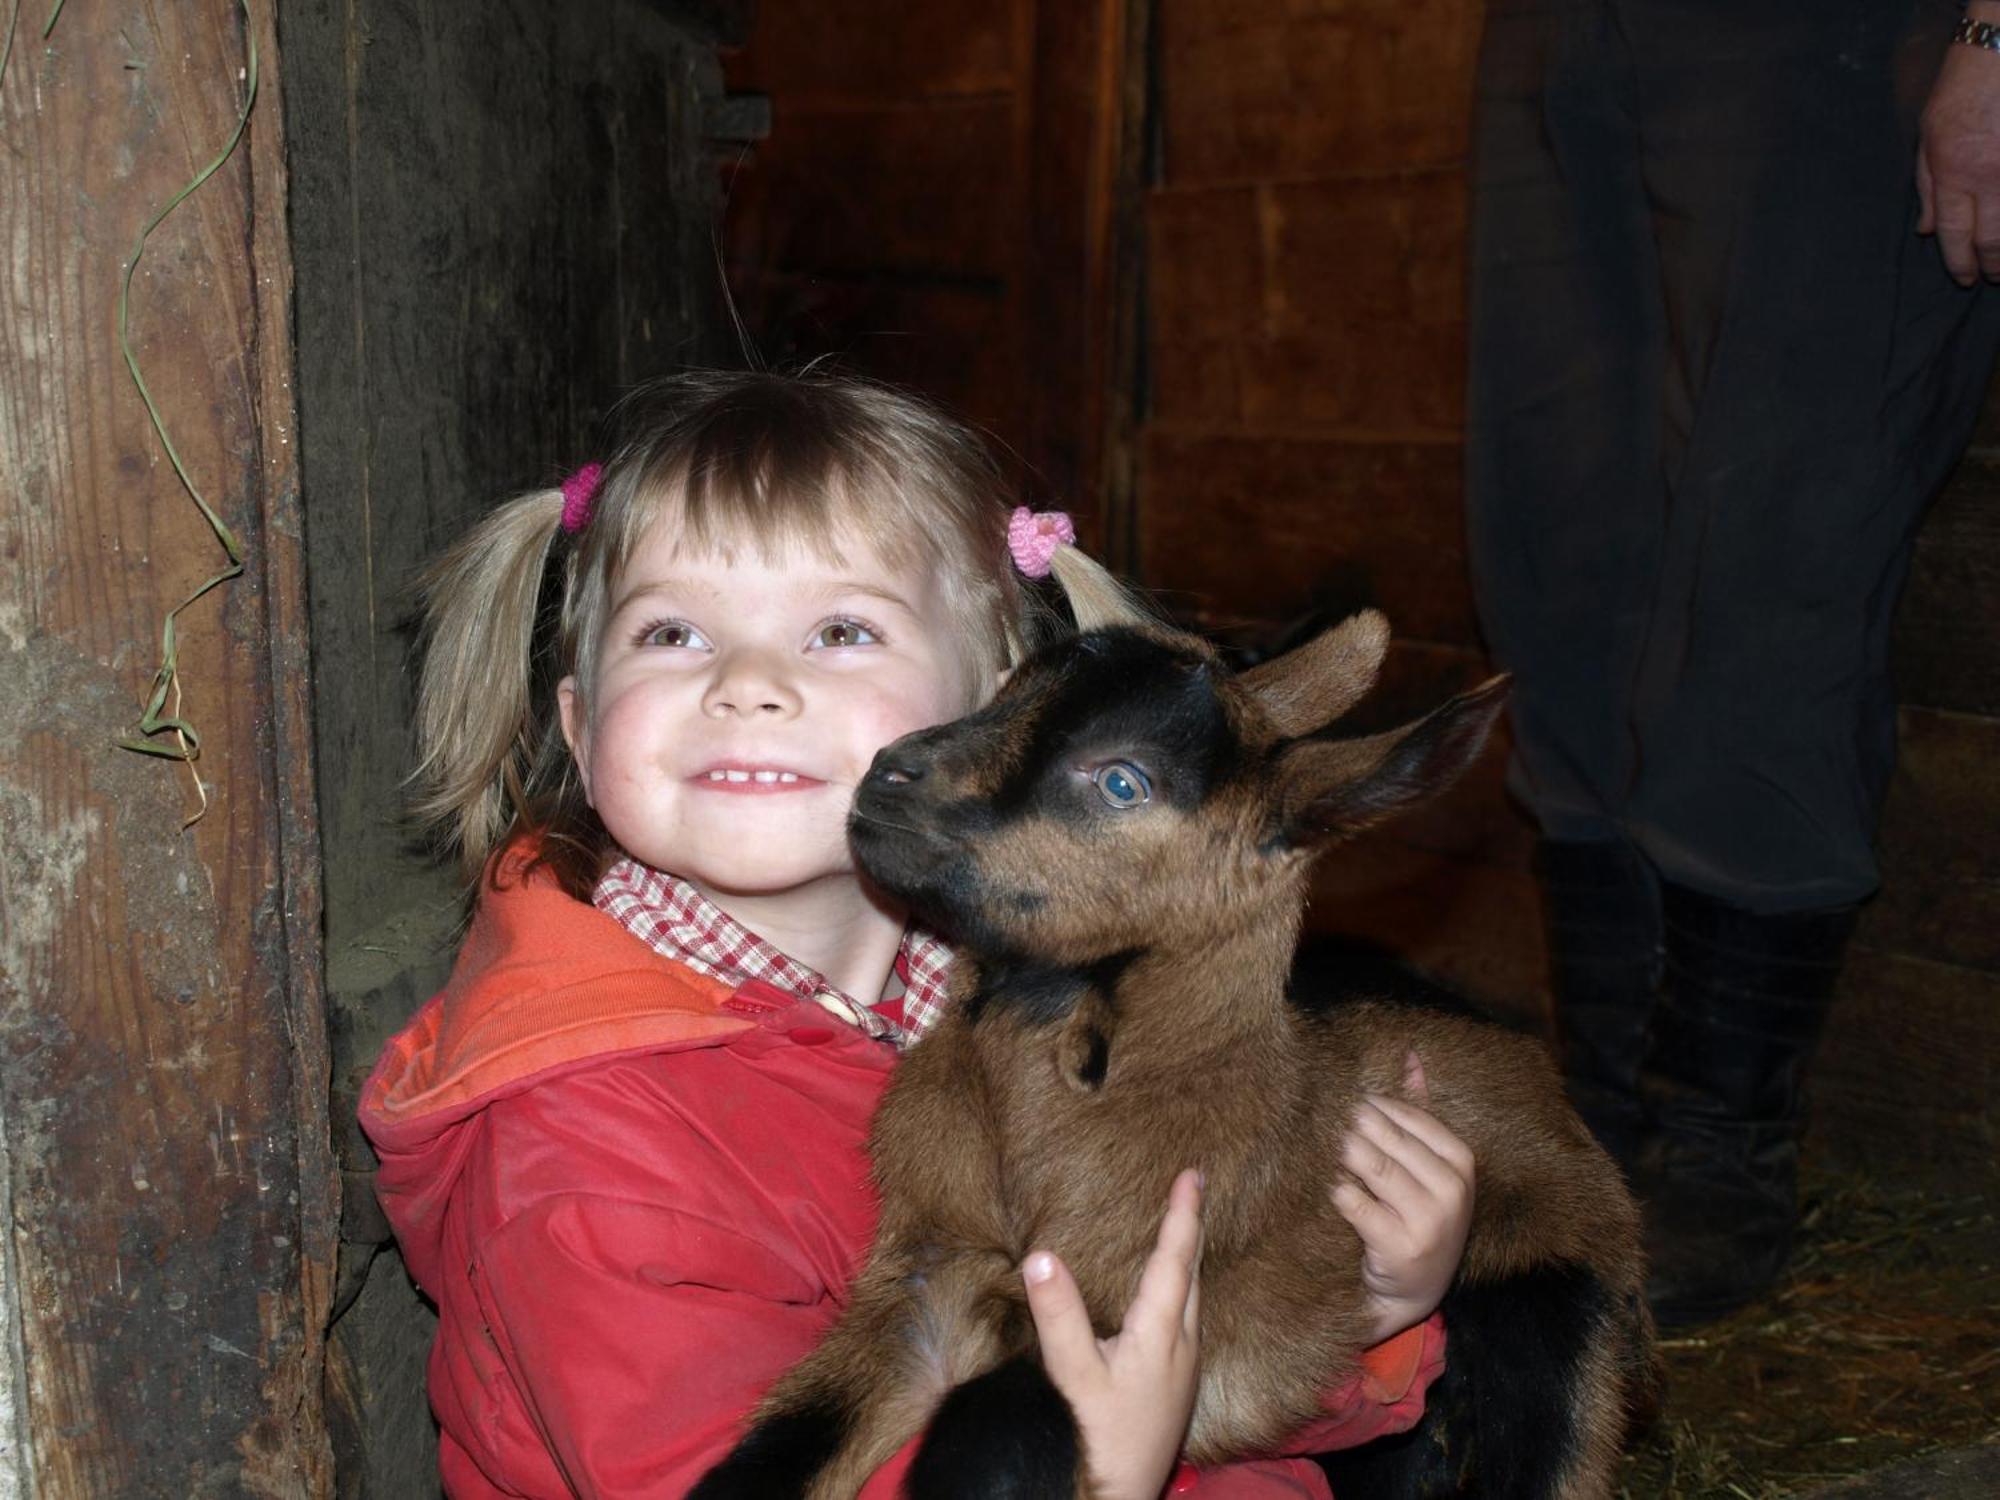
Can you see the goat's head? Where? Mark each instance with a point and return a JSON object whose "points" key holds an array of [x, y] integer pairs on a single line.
{"points": [[1125, 783]]}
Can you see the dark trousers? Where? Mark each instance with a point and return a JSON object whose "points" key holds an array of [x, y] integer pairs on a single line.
{"points": [[1715, 379]]}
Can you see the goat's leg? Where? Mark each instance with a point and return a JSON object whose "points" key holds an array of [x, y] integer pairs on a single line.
{"points": [[837, 1414], [1006, 1435], [869, 1387], [1615, 1391], [1534, 1399]]}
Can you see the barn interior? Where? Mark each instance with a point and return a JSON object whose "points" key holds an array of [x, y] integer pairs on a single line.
{"points": [[295, 292]]}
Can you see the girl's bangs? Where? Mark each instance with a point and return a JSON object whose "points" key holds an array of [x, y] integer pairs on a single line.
{"points": [[718, 509]]}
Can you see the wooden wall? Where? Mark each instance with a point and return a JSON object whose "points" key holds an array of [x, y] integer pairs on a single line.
{"points": [[166, 1193], [939, 204]]}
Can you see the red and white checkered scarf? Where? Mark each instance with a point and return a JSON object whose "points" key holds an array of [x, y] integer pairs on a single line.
{"points": [[670, 916]]}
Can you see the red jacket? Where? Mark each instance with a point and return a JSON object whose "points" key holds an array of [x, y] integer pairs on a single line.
{"points": [[638, 1196]]}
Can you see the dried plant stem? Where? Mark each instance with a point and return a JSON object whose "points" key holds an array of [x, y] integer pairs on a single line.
{"points": [[186, 743]]}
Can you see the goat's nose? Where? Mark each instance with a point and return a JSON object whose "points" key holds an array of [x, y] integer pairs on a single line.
{"points": [[894, 767]]}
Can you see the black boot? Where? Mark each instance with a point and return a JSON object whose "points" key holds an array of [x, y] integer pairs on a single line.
{"points": [[1744, 1002], [1602, 901]]}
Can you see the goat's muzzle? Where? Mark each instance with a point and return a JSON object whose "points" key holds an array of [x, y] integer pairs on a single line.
{"points": [[891, 807], [894, 766]]}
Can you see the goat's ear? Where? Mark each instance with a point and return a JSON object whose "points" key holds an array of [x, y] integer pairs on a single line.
{"points": [[1312, 685], [1327, 789]]}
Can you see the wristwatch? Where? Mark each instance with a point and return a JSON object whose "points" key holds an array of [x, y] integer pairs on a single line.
{"points": [[1982, 34]]}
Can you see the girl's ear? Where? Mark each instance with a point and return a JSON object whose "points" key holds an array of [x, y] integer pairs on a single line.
{"points": [[573, 734]]}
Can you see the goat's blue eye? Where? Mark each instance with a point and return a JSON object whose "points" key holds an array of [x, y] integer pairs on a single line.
{"points": [[1122, 784]]}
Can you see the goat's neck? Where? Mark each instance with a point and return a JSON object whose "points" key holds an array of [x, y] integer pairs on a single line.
{"points": [[1201, 993], [1223, 990]]}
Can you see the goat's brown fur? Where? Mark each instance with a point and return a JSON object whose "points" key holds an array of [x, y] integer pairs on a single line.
{"points": [[1120, 1012]]}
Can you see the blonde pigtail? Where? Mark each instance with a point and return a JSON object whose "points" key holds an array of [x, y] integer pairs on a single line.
{"points": [[1096, 598], [478, 733]]}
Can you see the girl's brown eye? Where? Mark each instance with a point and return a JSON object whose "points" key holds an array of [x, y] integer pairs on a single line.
{"points": [[676, 635], [845, 633]]}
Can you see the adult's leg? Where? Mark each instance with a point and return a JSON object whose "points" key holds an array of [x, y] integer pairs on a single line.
{"points": [[1823, 377], [1565, 501]]}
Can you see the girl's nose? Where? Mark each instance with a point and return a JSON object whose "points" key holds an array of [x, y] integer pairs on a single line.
{"points": [[748, 684]]}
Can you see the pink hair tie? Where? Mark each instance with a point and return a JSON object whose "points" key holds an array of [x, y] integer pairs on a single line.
{"points": [[579, 493], [1034, 535]]}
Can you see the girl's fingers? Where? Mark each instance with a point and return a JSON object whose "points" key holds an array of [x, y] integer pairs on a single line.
{"points": [[1062, 1322], [1426, 1174], [1377, 1169], [1169, 1288], [1415, 1083], [1427, 1128], [1380, 1227]]}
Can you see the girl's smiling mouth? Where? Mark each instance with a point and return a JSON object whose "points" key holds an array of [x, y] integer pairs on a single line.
{"points": [[735, 776]]}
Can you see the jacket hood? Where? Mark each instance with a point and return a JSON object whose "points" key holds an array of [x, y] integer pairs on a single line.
{"points": [[543, 985]]}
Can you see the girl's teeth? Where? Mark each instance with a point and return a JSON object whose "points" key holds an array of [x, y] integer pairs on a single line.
{"points": [[765, 776], [788, 776], [737, 775]]}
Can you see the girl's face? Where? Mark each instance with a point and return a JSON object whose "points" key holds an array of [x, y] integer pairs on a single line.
{"points": [[738, 704]]}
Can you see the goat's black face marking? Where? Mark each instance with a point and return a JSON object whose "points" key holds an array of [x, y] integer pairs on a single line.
{"points": [[1130, 699], [1031, 817]]}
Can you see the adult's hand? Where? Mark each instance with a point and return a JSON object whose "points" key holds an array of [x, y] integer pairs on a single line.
{"points": [[1958, 158]]}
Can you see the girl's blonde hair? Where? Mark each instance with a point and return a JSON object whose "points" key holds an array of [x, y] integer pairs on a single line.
{"points": [[779, 461]]}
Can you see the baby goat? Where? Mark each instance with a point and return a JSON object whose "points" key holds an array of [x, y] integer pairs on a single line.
{"points": [[1120, 842]]}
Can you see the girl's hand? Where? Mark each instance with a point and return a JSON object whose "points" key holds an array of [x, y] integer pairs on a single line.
{"points": [[1133, 1392], [1410, 1200]]}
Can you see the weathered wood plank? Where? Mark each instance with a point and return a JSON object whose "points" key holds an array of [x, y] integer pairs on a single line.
{"points": [[1205, 266], [1375, 252], [1306, 308], [477, 282], [1940, 845], [1078, 266], [1473, 926], [1248, 527], [1906, 1077], [1947, 641], [164, 1067], [874, 51], [883, 190], [1257, 92]]}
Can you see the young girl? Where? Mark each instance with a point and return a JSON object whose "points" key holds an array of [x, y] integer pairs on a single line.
{"points": [[624, 1149]]}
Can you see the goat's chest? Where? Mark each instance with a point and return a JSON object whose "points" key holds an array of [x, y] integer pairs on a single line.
{"points": [[988, 1137]]}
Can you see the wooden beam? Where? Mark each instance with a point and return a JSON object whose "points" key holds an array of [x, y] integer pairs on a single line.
{"points": [[1085, 118], [163, 1076]]}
